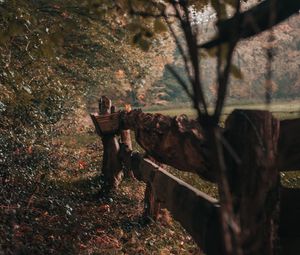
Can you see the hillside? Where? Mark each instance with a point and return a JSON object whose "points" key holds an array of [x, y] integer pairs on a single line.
{"points": [[250, 66]]}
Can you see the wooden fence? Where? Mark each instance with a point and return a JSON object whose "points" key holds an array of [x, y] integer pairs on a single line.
{"points": [[264, 145]]}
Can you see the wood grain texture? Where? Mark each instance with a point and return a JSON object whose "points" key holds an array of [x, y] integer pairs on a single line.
{"points": [[197, 212], [175, 141], [255, 181], [105, 123]]}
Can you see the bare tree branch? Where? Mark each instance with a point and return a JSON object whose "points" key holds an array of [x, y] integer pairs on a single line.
{"points": [[223, 78], [253, 21], [191, 40]]}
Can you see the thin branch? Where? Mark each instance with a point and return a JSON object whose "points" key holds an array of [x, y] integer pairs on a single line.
{"points": [[223, 78], [230, 150], [191, 40], [223, 75]]}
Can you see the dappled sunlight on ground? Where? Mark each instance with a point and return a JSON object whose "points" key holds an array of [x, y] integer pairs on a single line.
{"points": [[61, 212]]}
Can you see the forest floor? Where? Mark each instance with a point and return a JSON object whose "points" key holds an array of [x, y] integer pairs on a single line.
{"points": [[61, 213]]}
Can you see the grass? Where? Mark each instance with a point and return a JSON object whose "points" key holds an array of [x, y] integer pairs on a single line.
{"points": [[281, 110]]}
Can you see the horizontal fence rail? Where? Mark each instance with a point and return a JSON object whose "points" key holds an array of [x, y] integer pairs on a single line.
{"points": [[197, 212]]}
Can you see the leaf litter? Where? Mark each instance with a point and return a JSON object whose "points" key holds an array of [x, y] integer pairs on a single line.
{"points": [[60, 212]]}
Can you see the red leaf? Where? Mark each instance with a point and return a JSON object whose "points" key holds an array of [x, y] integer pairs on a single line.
{"points": [[82, 164]]}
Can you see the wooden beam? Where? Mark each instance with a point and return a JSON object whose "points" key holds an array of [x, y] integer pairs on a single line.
{"points": [[289, 145], [168, 189], [105, 123], [175, 141], [179, 142], [254, 179], [197, 212]]}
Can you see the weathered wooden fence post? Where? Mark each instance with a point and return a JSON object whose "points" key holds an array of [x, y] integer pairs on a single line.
{"points": [[254, 182], [111, 165], [151, 206], [126, 139]]}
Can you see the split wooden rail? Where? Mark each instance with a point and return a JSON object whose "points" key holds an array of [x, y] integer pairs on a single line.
{"points": [[263, 145]]}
